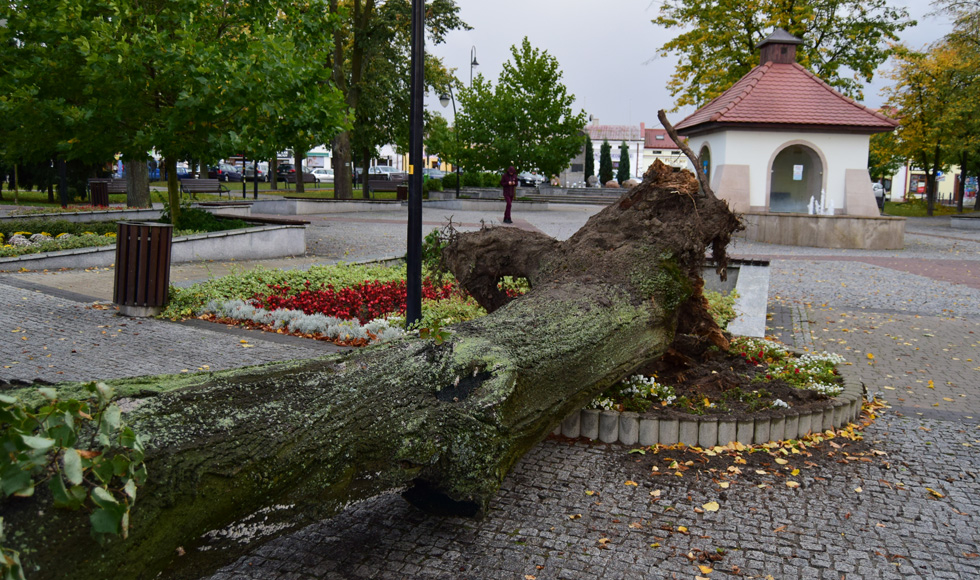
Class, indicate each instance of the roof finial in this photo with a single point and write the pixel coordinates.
(779, 48)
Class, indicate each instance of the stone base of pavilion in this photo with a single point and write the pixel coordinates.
(825, 231)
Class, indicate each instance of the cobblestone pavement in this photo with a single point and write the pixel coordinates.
(911, 512)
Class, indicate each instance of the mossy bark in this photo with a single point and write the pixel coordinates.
(241, 456)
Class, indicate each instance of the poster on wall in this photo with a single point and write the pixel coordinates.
(797, 173)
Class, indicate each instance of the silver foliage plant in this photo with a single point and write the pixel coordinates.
(298, 321)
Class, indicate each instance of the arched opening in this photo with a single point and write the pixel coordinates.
(705, 157)
(797, 175)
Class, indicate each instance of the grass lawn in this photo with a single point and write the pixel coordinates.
(917, 208)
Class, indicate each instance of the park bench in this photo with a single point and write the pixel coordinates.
(213, 186)
(384, 184)
(307, 178)
(99, 196)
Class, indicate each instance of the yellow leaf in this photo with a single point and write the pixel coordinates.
(934, 493)
(858, 489)
(781, 461)
(723, 484)
(589, 492)
(630, 482)
(705, 569)
(795, 472)
(243, 341)
(711, 506)
(655, 493)
(655, 545)
(682, 529)
(792, 484)
(575, 517)
(871, 356)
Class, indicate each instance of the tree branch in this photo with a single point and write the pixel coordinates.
(698, 170)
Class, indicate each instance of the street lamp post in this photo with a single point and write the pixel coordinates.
(444, 101)
(473, 63)
(413, 278)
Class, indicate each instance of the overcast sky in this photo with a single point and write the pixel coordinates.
(607, 50)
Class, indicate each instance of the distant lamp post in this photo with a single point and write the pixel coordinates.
(413, 256)
(473, 63)
(444, 101)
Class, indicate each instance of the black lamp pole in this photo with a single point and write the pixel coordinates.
(255, 179)
(244, 185)
(413, 307)
(443, 100)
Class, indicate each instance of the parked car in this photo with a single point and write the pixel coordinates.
(390, 173)
(250, 169)
(530, 179)
(434, 173)
(323, 175)
(283, 170)
(224, 172)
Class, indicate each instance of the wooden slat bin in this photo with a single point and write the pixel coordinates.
(142, 277)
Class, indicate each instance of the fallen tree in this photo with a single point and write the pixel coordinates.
(240, 456)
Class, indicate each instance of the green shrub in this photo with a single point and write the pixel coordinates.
(490, 179)
(199, 220)
(721, 307)
(472, 179)
(435, 185)
(449, 181)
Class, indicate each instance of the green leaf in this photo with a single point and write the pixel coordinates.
(39, 443)
(130, 489)
(111, 420)
(73, 466)
(7, 399)
(48, 393)
(640, 451)
(65, 498)
(103, 498)
(105, 521)
(105, 392)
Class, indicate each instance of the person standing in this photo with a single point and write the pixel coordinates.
(509, 183)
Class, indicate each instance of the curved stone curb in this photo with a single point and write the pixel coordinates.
(695, 431)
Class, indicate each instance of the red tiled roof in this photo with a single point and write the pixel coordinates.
(664, 141)
(615, 133)
(784, 94)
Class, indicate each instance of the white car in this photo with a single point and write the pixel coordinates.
(323, 175)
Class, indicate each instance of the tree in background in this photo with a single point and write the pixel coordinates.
(526, 120)
(884, 156)
(931, 92)
(605, 163)
(589, 158)
(369, 63)
(623, 172)
(188, 78)
(844, 41)
(440, 139)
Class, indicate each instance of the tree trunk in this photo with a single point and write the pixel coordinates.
(173, 187)
(961, 185)
(365, 166)
(298, 164)
(274, 173)
(343, 183)
(250, 454)
(137, 183)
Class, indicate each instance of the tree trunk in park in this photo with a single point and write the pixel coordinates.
(242, 456)
(365, 166)
(137, 184)
(298, 165)
(173, 187)
(343, 183)
(274, 174)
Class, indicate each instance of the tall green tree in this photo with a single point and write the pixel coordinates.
(884, 156)
(526, 120)
(589, 158)
(844, 41)
(930, 93)
(623, 171)
(441, 139)
(190, 78)
(369, 63)
(605, 163)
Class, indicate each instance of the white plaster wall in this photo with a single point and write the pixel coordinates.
(838, 152)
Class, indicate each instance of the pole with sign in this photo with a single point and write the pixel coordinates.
(413, 307)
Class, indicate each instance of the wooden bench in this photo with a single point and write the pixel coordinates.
(203, 186)
(375, 185)
(307, 178)
(99, 196)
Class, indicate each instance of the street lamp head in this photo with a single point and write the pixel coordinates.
(474, 63)
(444, 100)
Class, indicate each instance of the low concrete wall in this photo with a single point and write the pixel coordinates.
(318, 206)
(825, 231)
(136, 215)
(249, 243)
(485, 205)
(965, 221)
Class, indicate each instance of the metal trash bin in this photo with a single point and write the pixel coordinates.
(401, 193)
(100, 193)
(142, 272)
